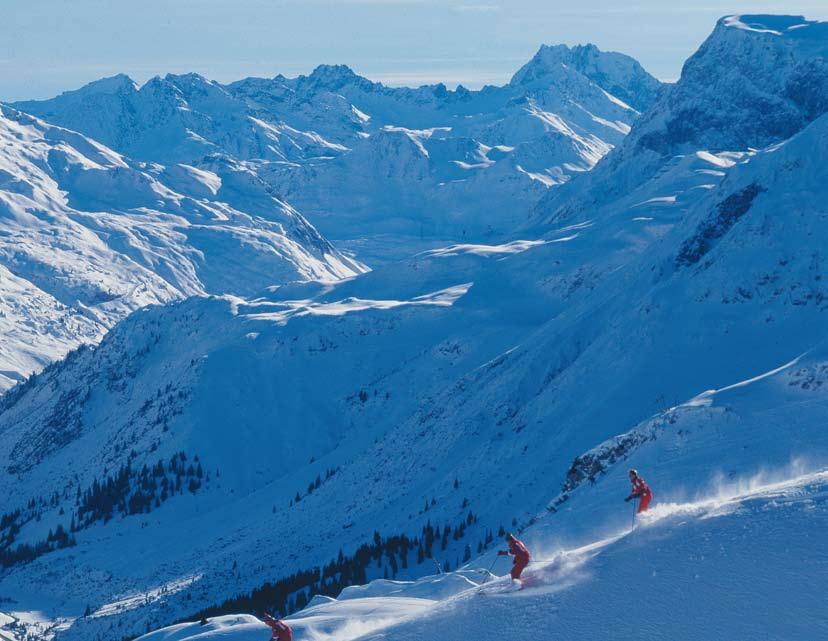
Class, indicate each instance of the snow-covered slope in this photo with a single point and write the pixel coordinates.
(741, 486)
(466, 165)
(735, 533)
(769, 80)
(364, 160)
(615, 73)
(87, 236)
(203, 208)
(690, 558)
(472, 386)
(755, 81)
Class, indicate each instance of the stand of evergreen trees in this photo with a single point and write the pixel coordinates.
(315, 485)
(393, 553)
(25, 552)
(132, 491)
(126, 492)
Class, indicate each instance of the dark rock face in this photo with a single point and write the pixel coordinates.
(741, 89)
(727, 214)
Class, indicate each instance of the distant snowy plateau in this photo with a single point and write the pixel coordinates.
(315, 344)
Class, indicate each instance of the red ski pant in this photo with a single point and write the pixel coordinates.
(517, 567)
(644, 502)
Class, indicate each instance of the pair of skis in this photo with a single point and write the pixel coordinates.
(498, 586)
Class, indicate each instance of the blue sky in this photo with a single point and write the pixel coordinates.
(47, 46)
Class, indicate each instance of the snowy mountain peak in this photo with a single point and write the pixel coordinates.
(804, 37)
(616, 73)
(771, 24)
(87, 236)
(118, 83)
(197, 90)
(755, 81)
(189, 80)
(334, 76)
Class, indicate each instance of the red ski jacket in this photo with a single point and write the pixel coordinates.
(281, 630)
(518, 550)
(639, 488)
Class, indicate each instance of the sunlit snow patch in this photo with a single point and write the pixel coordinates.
(774, 25)
(705, 399)
(238, 627)
(515, 247)
(143, 598)
(544, 179)
(362, 116)
(658, 200)
(293, 309)
(417, 135)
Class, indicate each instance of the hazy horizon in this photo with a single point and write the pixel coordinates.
(50, 46)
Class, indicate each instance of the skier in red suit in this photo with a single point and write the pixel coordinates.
(640, 490)
(281, 630)
(521, 553)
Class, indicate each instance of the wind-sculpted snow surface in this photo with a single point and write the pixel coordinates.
(236, 628)
(466, 390)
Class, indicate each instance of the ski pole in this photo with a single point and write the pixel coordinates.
(491, 567)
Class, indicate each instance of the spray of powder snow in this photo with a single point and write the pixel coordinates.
(559, 568)
(719, 496)
(723, 494)
(350, 629)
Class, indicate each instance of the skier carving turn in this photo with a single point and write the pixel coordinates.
(640, 490)
(520, 552)
(281, 630)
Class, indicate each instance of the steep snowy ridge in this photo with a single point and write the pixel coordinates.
(471, 387)
(337, 146)
(195, 200)
(709, 543)
(768, 85)
(732, 485)
(88, 236)
(743, 89)
(615, 73)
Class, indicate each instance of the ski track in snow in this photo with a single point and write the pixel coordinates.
(388, 614)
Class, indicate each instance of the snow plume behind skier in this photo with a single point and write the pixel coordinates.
(520, 554)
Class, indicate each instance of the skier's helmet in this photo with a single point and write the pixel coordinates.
(510, 537)
(633, 472)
